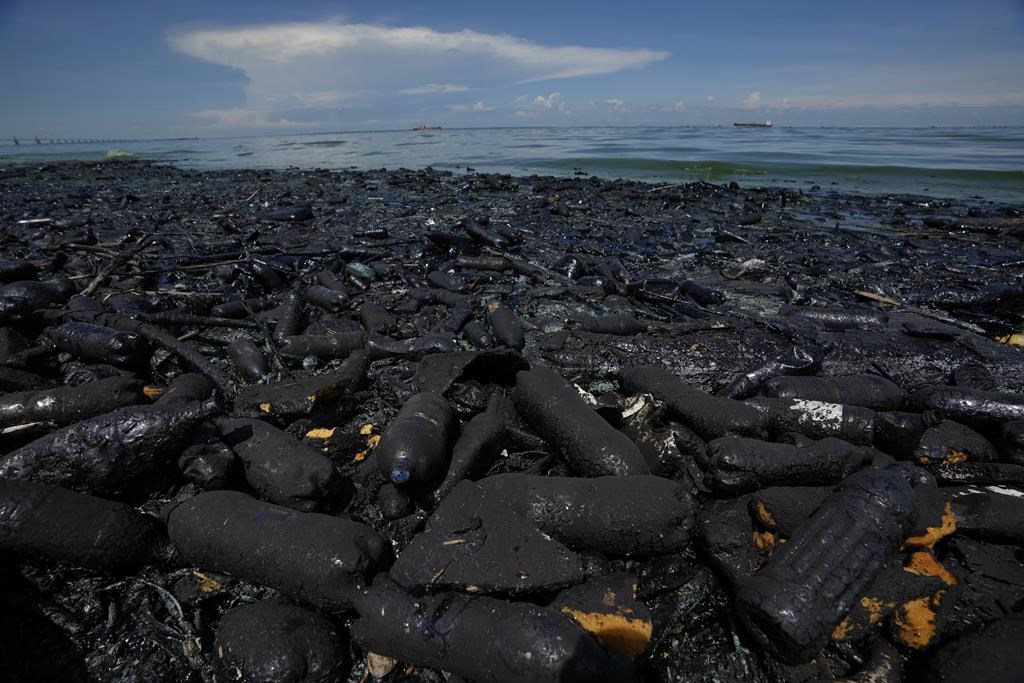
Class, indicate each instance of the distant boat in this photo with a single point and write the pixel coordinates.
(766, 124)
(423, 128)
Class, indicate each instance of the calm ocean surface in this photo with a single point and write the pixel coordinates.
(942, 162)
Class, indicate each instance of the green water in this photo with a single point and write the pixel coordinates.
(940, 162)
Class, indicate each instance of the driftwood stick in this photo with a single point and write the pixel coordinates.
(182, 318)
(117, 262)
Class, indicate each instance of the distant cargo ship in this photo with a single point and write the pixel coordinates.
(766, 124)
(427, 128)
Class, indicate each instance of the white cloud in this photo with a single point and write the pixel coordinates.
(552, 101)
(240, 117)
(433, 88)
(679, 105)
(541, 104)
(476, 106)
(753, 100)
(903, 99)
(287, 65)
(711, 98)
(322, 98)
(614, 104)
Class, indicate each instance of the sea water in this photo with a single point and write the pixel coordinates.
(940, 162)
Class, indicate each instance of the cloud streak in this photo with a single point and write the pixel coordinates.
(434, 89)
(292, 66)
(243, 118)
(477, 106)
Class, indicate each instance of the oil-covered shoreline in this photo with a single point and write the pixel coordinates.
(510, 428)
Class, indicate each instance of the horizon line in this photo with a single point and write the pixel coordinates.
(29, 140)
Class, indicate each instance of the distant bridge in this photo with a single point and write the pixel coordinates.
(65, 141)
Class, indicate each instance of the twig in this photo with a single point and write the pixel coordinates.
(526, 268)
(949, 320)
(116, 262)
(180, 318)
(175, 292)
(877, 297)
(272, 350)
(194, 266)
(668, 187)
(188, 353)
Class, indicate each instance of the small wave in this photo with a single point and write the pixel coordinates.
(120, 154)
(894, 171)
(646, 167)
(638, 166)
(35, 157)
(172, 152)
(325, 143)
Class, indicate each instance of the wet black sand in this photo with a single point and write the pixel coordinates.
(911, 289)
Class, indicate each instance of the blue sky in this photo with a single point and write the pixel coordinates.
(189, 68)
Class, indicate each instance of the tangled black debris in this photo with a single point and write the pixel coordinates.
(313, 425)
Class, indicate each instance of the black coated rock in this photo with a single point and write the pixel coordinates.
(51, 523)
(309, 556)
(292, 214)
(868, 391)
(952, 442)
(272, 642)
(737, 465)
(301, 396)
(112, 454)
(1011, 442)
(458, 634)
(330, 300)
(607, 607)
(793, 604)
(782, 509)
(727, 536)
(506, 327)
(393, 502)
(475, 542)
(710, 416)
(438, 372)
(591, 446)
(100, 344)
(188, 386)
(972, 407)
(796, 360)
(816, 419)
(993, 654)
(248, 359)
(279, 467)
(990, 513)
(64, 405)
(478, 446)
(21, 299)
(621, 516)
(326, 346)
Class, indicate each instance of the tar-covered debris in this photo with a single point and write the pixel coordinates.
(312, 425)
